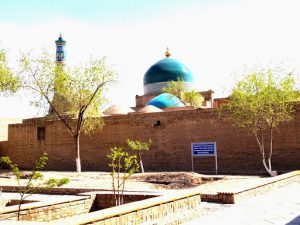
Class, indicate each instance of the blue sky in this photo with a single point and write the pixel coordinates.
(214, 38)
(95, 11)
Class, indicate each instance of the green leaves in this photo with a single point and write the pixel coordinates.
(122, 161)
(138, 145)
(5, 160)
(52, 182)
(193, 99)
(8, 82)
(189, 98)
(123, 165)
(176, 88)
(30, 185)
(263, 98)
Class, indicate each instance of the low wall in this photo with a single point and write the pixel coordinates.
(242, 194)
(41, 211)
(163, 210)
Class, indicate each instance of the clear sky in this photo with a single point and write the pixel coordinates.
(214, 38)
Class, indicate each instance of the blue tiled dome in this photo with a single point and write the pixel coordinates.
(167, 69)
(166, 101)
(159, 75)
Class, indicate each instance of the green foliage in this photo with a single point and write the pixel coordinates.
(189, 98)
(176, 88)
(52, 182)
(139, 147)
(262, 100)
(8, 82)
(34, 183)
(193, 98)
(37, 74)
(123, 165)
(71, 92)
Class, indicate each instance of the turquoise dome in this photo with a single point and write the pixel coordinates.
(166, 101)
(167, 69)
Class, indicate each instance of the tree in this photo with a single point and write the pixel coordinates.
(79, 88)
(262, 100)
(8, 82)
(139, 147)
(123, 165)
(193, 99)
(176, 88)
(31, 185)
(188, 98)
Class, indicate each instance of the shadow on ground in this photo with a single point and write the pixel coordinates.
(295, 221)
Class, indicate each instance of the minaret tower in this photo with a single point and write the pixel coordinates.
(64, 104)
(60, 50)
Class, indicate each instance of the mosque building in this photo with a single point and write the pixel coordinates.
(171, 125)
(158, 77)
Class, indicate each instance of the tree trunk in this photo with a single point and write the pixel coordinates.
(78, 161)
(141, 162)
(260, 143)
(19, 207)
(271, 148)
(272, 173)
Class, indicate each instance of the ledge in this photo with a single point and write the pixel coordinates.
(253, 190)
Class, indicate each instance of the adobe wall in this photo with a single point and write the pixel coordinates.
(171, 143)
(4, 127)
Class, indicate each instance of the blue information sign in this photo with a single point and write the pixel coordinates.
(204, 149)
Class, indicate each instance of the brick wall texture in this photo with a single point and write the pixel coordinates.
(51, 212)
(171, 143)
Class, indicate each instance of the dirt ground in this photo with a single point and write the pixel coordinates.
(157, 182)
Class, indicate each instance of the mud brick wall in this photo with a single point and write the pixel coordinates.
(171, 143)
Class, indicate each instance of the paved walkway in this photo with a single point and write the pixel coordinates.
(278, 207)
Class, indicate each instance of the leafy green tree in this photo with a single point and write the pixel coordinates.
(193, 98)
(74, 95)
(139, 147)
(8, 82)
(123, 165)
(33, 183)
(261, 101)
(176, 88)
(189, 98)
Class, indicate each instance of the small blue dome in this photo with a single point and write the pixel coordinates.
(167, 69)
(166, 101)
(60, 39)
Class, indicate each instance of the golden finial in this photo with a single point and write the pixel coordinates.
(167, 53)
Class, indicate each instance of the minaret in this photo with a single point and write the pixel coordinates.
(64, 106)
(60, 50)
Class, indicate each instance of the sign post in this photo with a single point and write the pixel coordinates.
(201, 149)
